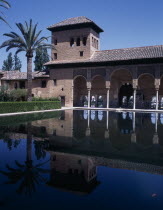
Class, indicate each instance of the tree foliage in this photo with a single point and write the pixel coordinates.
(11, 63)
(17, 63)
(8, 63)
(41, 58)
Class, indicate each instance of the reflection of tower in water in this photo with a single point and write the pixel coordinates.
(74, 173)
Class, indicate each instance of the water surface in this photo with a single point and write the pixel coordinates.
(82, 160)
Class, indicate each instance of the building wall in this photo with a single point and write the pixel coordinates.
(37, 90)
(64, 82)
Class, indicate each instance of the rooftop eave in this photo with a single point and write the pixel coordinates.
(109, 63)
(75, 26)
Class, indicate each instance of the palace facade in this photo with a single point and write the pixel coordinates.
(80, 74)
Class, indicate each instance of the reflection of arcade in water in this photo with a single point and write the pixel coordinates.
(125, 136)
(129, 136)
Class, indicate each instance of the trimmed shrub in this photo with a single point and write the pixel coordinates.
(11, 107)
(4, 95)
(18, 95)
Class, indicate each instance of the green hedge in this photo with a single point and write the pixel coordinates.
(10, 107)
(44, 99)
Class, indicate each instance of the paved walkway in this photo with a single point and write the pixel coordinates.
(85, 108)
(118, 109)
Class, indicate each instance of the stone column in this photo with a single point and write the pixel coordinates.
(89, 97)
(157, 85)
(89, 93)
(134, 99)
(135, 85)
(157, 102)
(0, 82)
(108, 94)
(107, 84)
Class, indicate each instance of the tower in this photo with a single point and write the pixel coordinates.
(75, 39)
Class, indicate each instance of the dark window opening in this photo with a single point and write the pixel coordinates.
(54, 132)
(72, 42)
(81, 53)
(43, 129)
(78, 42)
(92, 41)
(15, 85)
(55, 56)
(22, 84)
(97, 44)
(53, 158)
(55, 82)
(55, 41)
(43, 84)
(85, 41)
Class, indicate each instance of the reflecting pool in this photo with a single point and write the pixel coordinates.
(81, 160)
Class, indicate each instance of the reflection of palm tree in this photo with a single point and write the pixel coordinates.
(27, 174)
(11, 143)
(40, 149)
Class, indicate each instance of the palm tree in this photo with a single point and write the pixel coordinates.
(6, 5)
(28, 42)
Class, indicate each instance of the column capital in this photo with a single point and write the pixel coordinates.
(107, 84)
(89, 85)
(157, 84)
(135, 84)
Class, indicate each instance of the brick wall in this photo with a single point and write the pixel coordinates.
(65, 51)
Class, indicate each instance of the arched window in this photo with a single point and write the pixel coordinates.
(100, 101)
(55, 41)
(43, 83)
(92, 41)
(72, 42)
(97, 44)
(78, 42)
(93, 101)
(84, 41)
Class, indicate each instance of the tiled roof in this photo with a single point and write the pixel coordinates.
(74, 21)
(129, 54)
(124, 54)
(17, 75)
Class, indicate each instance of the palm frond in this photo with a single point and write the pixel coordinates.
(7, 4)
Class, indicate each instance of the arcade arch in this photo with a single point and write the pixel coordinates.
(80, 91)
(121, 87)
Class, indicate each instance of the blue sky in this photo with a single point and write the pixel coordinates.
(126, 23)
